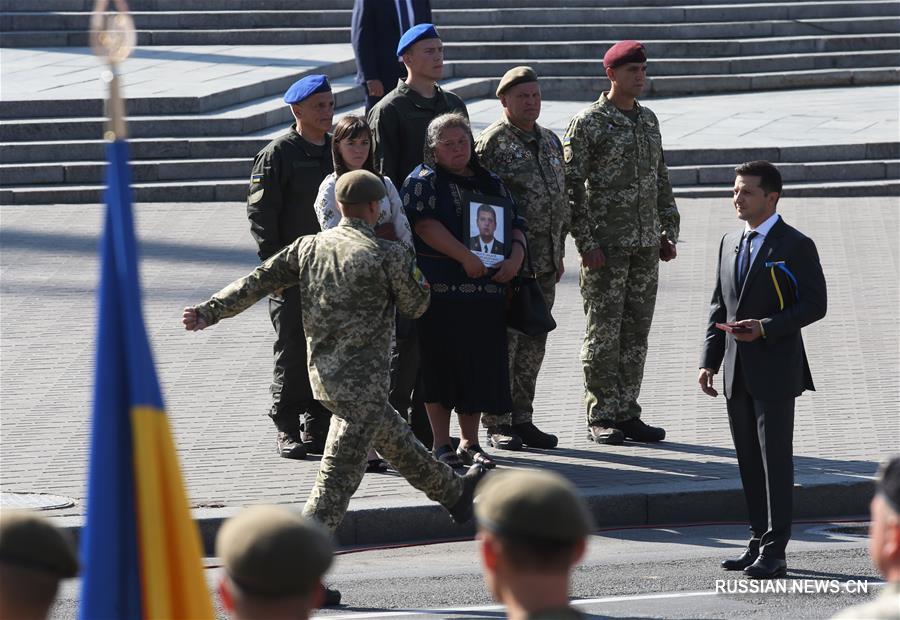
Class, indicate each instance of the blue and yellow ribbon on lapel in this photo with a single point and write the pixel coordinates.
(779, 264)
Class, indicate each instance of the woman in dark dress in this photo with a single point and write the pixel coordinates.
(462, 336)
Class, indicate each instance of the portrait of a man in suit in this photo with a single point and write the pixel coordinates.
(486, 241)
(769, 285)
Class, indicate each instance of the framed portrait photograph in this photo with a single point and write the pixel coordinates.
(487, 227)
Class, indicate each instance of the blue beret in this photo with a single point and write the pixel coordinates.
(416, 34)
(306, 87)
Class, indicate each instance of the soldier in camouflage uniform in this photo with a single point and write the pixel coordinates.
(624, 220)
(350, 283)
(528, 158)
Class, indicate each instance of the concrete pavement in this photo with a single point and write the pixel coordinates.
(216, 382)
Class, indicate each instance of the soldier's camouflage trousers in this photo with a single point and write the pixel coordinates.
(526, 354)
(356, 427)
(618, 303)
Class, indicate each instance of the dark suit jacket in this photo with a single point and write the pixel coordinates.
(375, 32)
(475, 244)
(774, 367)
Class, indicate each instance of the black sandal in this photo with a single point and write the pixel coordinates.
(376, 466)
(446, 455)
(474, 454)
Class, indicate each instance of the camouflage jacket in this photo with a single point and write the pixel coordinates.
(617, 180)
(531, 166)
(349, 282)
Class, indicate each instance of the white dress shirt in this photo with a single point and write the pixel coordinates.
(761, 231)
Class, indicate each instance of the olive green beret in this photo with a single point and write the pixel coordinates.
(534, 505)
(269, 551)
(30, 541)
(357, 187)
(516, 75)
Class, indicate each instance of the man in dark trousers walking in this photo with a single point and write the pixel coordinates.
(769, 285)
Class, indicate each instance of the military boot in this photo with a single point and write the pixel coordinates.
(605, 433)
(289, 446)
(503, 437)
(461, 511)
(533, 437)
(330, 597)
(636, 430)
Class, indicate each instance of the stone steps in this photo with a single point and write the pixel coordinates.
(235, 191)
(455, 34)
(316, 18)
(216, 172)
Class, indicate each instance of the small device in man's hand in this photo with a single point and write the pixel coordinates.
(733, 328)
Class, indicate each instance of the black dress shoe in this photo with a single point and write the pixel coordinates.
(747, 558)
(766, 568)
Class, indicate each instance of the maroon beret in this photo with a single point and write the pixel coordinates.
(624, 52)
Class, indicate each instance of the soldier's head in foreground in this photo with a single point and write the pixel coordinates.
(884, 531)
(422, 51)
(520, 95)
(533, 530)
(757, 188)
(312, 104)
(358, 193)
(273, 562)
(625, 64)
(34, 557)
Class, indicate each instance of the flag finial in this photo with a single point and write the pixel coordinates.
(113, 38)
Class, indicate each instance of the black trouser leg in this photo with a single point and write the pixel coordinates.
(763, 439)
(406, 383)
(291, 393)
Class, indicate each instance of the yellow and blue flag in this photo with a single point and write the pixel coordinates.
(141, 553)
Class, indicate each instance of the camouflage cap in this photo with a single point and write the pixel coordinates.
(30, 541)
(269, 551)
(532, 505)
(624, 52)
(358, 186)
(516, 75)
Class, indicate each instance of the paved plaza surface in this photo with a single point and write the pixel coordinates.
(215, 383)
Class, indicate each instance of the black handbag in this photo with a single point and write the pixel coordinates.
(526, 308)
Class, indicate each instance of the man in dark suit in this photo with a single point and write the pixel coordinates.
(375, 30)
(769, 285)
(485, 241)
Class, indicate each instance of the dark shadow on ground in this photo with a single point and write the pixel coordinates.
(72, 243)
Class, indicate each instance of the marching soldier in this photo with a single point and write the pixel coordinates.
(353, 281)
(528, 158)
(624, 221)
(283, 186)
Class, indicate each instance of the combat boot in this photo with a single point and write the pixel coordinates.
(313, 445)
(289, 446)
(503, 437)
(636, 430)
(461, 511)
(601, 433)
(330, 597)
(533, 437)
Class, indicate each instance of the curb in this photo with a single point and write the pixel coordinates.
(375, 522)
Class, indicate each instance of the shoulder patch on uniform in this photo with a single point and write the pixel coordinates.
(256, 195)
(567, 149)
(256, 178)
(419, 278)
(567, 140)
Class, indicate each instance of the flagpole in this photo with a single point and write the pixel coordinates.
(113, 38)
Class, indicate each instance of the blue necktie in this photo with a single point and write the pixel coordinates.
(744, 268)
(404, 16)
